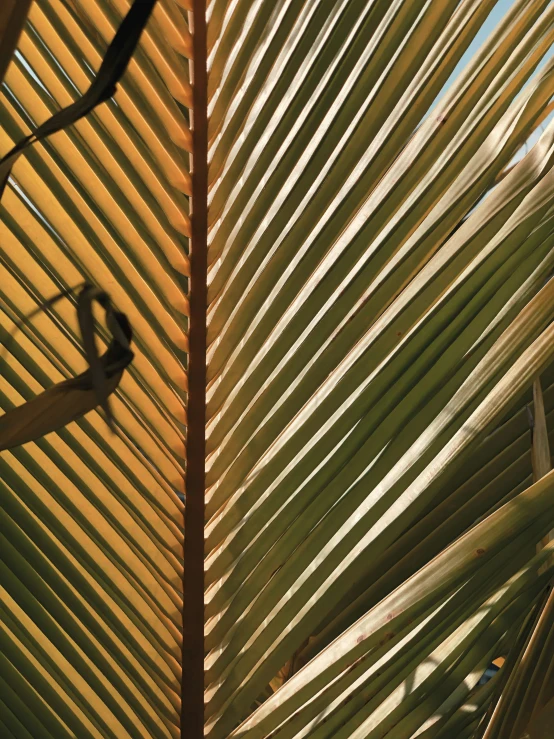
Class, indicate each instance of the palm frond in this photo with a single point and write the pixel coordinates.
(360, 332)
(92, 527)
(373, 292)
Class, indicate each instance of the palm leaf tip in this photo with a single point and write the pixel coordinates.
(73, 398)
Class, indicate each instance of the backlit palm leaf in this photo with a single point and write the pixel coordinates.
(370, 273)
(92, 521)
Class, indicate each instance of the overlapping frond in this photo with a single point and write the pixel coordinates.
(92, 522)
(377, 304)
(13, 14)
